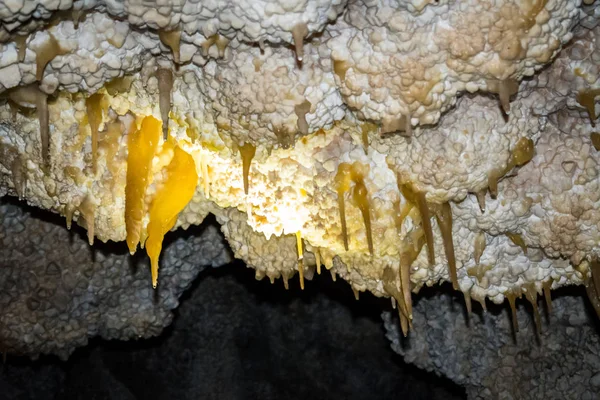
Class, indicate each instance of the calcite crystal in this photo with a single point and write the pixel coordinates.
(397, 143)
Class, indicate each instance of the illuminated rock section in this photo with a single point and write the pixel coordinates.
(398, 144)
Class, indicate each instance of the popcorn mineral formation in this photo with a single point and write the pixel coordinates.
(396, 144)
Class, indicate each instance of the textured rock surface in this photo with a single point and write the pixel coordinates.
(404, 60)
(56, 291)
(482, 355)
(402, 95)
(368, 68)
(234, 337)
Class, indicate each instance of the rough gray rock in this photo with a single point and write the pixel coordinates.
(482, 354)
(56, 291)
(237, 338)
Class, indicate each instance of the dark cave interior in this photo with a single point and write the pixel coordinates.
(237, 338)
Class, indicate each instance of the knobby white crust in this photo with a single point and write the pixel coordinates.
(366, 66)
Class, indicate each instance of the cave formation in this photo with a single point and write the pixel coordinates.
(395, 145)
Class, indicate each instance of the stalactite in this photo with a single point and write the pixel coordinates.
(87, 209)
(506, 89)
(404, 274)
(175, 193)
(77, 16)
(171, 39)
(393, 287)
(481, 199)
(96, 107)
(511, 296)
(318, 260)
(547, 286)
(531, 295)
(406, 210)
(259, 275)
(521, 154)
(479, 271)
(587, 99)
(417, 198)
(482, 303)
(467, 296)
(412, 246)
(21, 44)
(479, 246)
(360, 198)
(141, 146)
(300, 258)
(46, 53)
(69, 211)
(165, 86)
(340, 68)
(218, 40)
(403, 323)
(444, 219)
(299, 32)
(342, 183)
(426, 222)
(517, 240)
(247, 151)
(493, 178)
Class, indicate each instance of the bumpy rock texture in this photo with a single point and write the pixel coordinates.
(234, 337)
(398, 143)
(482, 355)
(57, 291)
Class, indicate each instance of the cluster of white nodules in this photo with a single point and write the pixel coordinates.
(392, 63)
(304, 87)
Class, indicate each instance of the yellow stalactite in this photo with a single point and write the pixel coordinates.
(141, 146)
(300, 258)
(175, 193)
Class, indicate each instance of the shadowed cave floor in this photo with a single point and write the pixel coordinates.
(237, 338)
